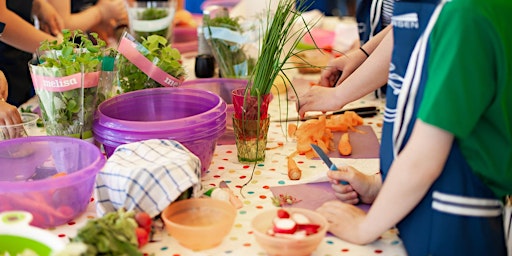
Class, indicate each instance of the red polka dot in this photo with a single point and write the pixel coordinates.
(61, 235)
(300, 162)
(221, 167)
(71, 223)
(229, 151)
(250, 232)
(246, 166)
(263, 196)
(259, 207)
(225, 159)
(345, 250)
(266, 187)
(272, 169)
(216, 176)
(243, 177)
(211, 184)
(247, 244)
(238, 186)
(378, 251)
(92, 199)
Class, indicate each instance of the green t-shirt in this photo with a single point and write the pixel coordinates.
(469, 86)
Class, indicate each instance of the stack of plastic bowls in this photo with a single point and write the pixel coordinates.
(222, 87)
(195, 118)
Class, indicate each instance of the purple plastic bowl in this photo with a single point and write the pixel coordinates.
(27, 180)
(220, 86)
(131, 136)
(202, 147)
(160, 109)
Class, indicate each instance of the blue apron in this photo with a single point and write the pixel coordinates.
(459, 215)
(368, 19)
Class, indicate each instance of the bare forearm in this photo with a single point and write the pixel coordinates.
(371, 75)
(83, 20)
(372, 44)
(408, 180)
(27, 41)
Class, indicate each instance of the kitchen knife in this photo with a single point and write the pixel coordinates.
(361, 111)
(326, 160)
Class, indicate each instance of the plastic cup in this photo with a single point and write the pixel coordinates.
(151, 18)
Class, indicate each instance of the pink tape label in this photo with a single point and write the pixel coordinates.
(66, 83)
(129, 51)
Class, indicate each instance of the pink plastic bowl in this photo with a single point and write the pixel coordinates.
(52, 177)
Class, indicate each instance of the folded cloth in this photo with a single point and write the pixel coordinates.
(146, 176)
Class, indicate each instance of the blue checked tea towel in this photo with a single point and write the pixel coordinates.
(146, 176)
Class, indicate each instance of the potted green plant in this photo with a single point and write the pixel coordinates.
(148, 64)
(282, 31)
(230, 43)
(65, 79)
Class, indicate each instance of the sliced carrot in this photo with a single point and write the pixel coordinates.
(294, 173)
(59, 174)
(344, 122)
(322, 145)
(310, 154)
(344, 146)
(292, 128)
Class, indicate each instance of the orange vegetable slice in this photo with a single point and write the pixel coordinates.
(344, 146)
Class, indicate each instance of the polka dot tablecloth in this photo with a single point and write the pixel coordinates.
(252, 184)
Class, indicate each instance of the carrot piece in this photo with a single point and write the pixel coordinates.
(292, 128)
(294, 173)
(322, 145)
(344, 146)
(59, 174)
(310, 154)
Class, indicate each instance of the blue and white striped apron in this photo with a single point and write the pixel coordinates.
(459, 215)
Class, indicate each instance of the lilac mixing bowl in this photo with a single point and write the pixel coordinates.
(52, 177)
(195, 118)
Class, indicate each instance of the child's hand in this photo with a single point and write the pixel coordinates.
(362, 188)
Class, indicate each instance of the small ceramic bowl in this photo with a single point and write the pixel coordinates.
(17, 236)
(199, 223)
(287, 246)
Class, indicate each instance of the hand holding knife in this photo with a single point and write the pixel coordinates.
(326, 160)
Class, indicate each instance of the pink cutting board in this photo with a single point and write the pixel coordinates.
(364, 144)
(311, 195)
